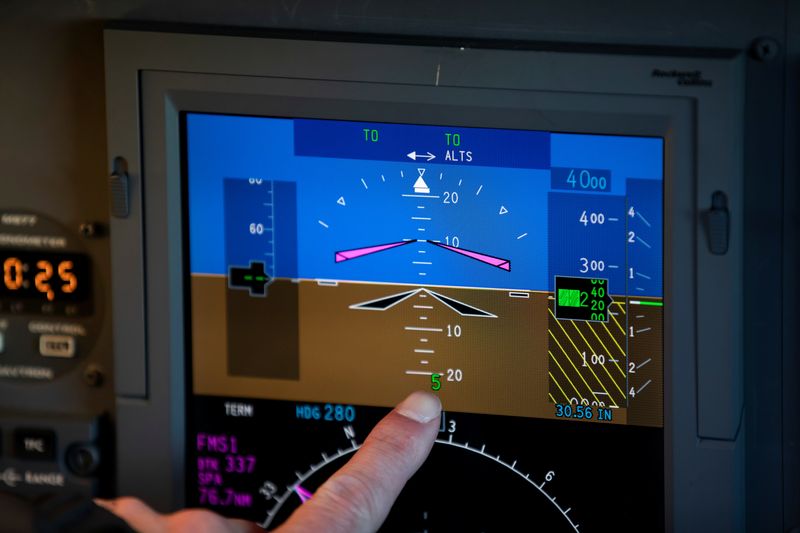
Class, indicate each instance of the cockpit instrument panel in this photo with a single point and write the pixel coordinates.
(311, 230)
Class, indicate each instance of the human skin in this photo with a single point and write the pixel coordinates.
(356, 499)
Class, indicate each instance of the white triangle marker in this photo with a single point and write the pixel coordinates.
(340, 201)
(420, 187)
(503, 210)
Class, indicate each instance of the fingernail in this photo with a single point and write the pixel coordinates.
(421, 407)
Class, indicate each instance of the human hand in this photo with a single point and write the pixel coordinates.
(357, 498)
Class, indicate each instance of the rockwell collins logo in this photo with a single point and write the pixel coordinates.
(683, 77)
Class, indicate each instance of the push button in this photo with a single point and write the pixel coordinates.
(57, 346)
(37, 444)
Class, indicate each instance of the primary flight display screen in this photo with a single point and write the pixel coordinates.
(336, 266)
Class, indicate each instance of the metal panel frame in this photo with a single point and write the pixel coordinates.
(151, 77)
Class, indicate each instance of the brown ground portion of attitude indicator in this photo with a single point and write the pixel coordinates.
(376, 357)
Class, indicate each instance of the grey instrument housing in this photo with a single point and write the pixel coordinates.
(696, 103)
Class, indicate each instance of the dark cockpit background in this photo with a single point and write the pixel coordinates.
(53, 161)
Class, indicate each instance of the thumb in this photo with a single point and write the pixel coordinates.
(358, 497)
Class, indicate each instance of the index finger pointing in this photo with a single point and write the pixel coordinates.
(360, 495)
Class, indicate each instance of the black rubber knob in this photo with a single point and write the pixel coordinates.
(83, 459)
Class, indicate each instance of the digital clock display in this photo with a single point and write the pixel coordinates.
(44, 276)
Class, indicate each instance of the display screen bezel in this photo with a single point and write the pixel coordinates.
(152, 76)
